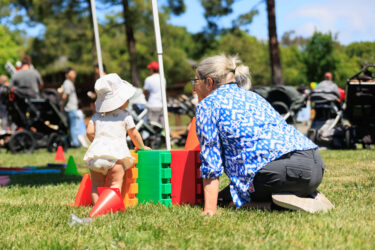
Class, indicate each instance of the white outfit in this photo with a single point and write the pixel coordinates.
(138, 98)
(152, 85)
(109, 143)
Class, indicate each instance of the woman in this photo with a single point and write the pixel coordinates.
(240, 133)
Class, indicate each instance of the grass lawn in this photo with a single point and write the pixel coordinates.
(34, 214)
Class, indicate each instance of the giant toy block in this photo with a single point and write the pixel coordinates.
(185, 180)
(130, 185)
(129, 188)
(154, 177)
(198, 179)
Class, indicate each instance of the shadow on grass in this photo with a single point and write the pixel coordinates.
(43, 179)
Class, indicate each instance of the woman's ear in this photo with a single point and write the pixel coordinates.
(210, 83)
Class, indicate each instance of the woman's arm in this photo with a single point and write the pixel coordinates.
(211, 191)
(211, 155)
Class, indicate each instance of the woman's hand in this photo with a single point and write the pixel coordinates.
(208, 212)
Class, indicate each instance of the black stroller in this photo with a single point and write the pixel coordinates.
(328, 128)
(182, 105)
(151, 132)
(284, 99)
(38, 122)
(360, 105)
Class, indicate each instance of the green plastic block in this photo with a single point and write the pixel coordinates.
(154, 174)
(166, 173)
(166, 202)
(166, 188)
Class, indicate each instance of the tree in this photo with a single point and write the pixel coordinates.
(129, 19)
(277, 76)
(217, 8)
(293, 68)
(318, 56)
(10, 48)
(361, 52)
(251, 51)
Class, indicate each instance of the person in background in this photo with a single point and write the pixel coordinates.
(70, 100)
(3, 107)
(152, 91)
(304, 114)
(28, 78)
(328, 86)
(97, 71)
(90, 93)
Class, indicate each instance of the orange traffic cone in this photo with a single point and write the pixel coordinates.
(83, 197)
(192, 142)
(109, 200)
(60, 154)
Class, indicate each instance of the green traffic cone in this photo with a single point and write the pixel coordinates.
(71, 168)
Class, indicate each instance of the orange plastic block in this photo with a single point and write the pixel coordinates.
(83, 197)
(130, 185)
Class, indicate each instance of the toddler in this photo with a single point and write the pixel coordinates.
(108, 155)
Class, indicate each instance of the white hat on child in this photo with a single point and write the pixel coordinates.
(112, 92)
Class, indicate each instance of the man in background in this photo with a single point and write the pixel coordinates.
(70, 100)
(3, 107)
(28, 78)
(152, 90)
(328, 87)
(90, 93)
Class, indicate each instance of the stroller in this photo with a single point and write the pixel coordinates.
(182, 105)
(151, 132)
(286, 100)
(360, 106)
(39, 123)
(328, 128)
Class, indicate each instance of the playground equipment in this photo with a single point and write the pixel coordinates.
(158, 176)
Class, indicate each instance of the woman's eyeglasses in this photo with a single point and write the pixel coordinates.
(194, 81)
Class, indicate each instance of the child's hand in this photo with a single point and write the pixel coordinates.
(144, 148)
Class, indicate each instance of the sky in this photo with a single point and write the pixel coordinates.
(351, 20)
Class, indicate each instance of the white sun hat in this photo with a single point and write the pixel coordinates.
(112, 92)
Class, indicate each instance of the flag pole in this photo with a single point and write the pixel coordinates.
(159, 50)
(97, 40)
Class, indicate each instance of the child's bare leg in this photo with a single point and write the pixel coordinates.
(97, 180)
(116, 176)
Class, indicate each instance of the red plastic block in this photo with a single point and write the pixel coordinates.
(183, 177)
(198, 180)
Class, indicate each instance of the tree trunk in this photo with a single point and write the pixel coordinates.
(94, 54)
(277, 76)
(131, 43)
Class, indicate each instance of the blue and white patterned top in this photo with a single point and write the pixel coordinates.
(239, 132)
